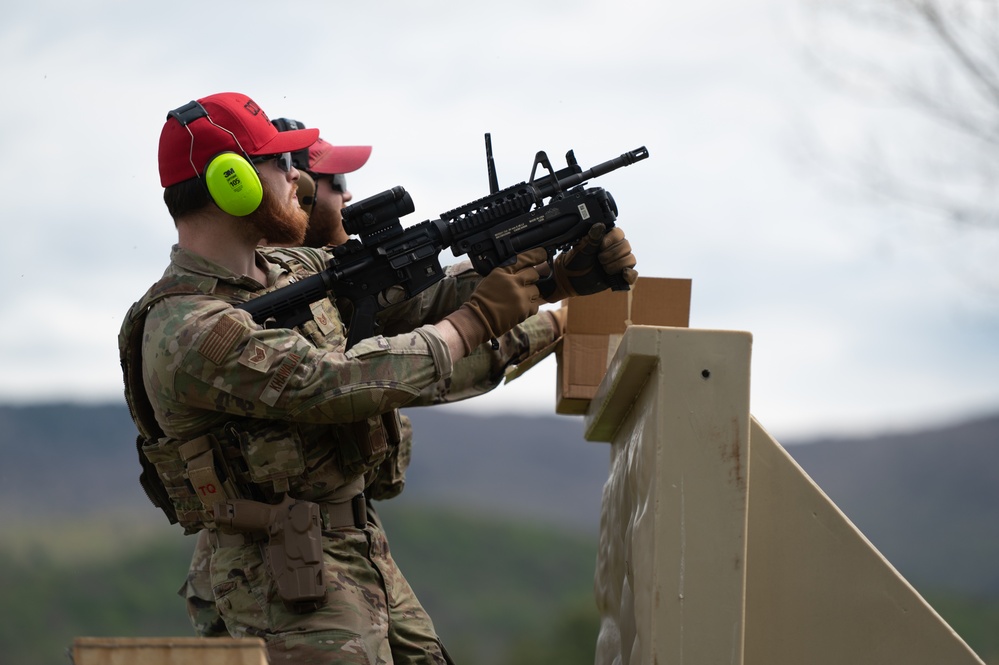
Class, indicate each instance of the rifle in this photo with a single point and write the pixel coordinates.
(492, 231)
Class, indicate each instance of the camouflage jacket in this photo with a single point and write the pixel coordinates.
(292, 408)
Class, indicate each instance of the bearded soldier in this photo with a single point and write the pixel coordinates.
(266, 439)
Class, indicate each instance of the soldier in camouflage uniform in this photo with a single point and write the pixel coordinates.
(266, 438)
(322, 192)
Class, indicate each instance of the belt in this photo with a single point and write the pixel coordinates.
(345, 514)
(333, 516)
(219, 539)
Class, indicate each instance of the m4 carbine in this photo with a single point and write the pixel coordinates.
(491, 231)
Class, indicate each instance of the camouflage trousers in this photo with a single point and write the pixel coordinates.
(371, 617)
(197, 592)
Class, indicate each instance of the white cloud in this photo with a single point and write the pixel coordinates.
(856, 318)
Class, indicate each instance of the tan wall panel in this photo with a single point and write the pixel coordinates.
(670, 580)
(818, 591)
(715, 547)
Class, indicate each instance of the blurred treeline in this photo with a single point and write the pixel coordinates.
(500, 592)
(506, 569)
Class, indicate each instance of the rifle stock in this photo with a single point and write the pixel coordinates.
(491, 231)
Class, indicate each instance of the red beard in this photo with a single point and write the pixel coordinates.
(281, 223)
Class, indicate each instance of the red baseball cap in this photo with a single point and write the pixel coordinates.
(328, 159)
(232, 122)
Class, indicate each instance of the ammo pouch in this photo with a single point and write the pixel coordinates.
(368, 442)
(211, 482)
(151, 483)
(271, 456)
(388, 479)
(193, 476)
(170, 470)
(294, 549)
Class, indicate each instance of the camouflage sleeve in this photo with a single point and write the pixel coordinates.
(430, 305)
(200, 353)
(486, 367)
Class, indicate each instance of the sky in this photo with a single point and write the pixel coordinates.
(864, 316)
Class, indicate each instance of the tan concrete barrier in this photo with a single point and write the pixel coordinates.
(715, 547)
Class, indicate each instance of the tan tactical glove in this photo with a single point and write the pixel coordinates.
(503, 298)
(585, 268)
(558, 320)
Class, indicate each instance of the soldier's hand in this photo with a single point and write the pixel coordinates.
(504, 298)
(585, 269)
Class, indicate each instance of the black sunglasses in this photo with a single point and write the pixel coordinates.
(338, 182)
(283, 160)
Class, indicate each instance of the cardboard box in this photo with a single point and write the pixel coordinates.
(595, 325)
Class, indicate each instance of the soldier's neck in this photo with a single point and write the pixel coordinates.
(228, 241)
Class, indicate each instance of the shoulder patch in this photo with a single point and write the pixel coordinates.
(220, 340)
(326, 317)
(258, 356)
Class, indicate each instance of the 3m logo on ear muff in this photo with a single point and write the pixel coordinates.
(233, 184)
(230, 178)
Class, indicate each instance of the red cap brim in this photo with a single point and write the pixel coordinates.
(329, 159)
(290, 141)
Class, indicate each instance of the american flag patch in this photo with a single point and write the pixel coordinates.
(219, 341)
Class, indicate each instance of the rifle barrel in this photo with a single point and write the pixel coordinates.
(628, 158)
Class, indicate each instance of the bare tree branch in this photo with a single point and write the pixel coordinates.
(930, 61)
(976, 71)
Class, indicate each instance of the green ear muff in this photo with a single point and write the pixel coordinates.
(233, 184)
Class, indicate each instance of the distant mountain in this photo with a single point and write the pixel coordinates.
(61, 460)
(69, 460)
(928, 500)
(540, 468)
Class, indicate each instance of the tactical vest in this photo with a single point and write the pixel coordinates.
(246, 458)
